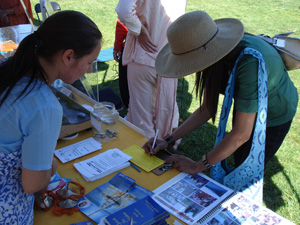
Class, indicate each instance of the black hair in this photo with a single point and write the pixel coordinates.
(61, 31)
(214, 79)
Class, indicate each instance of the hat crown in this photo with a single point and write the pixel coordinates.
(200, 27)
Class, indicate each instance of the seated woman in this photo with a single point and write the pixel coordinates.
(64, 47)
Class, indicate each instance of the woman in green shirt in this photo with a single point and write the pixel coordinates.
(211, 48)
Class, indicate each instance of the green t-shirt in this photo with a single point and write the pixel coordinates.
(282, 94)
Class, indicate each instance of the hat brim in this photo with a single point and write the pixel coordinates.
(230, 33)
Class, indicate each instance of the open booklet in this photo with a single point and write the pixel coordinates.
(198, 199)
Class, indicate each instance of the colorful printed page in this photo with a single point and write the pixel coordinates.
(191, 197)
(142, 160)
(241, 210)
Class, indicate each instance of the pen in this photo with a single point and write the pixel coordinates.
(135, 167)
(154, 139)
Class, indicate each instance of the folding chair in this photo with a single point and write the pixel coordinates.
(45, 10)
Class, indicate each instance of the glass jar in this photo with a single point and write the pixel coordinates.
(104, 119)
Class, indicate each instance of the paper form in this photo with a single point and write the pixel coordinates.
(141, 159)
(77, 150)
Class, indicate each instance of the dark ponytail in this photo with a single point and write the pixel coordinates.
(61, 31)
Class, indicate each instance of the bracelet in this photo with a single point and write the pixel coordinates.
(205, 162)
(169, 139)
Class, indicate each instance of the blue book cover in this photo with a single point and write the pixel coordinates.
(144, 212)
(111, 197)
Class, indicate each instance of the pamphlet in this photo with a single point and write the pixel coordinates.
(103, 164)
(110, 197)
(77, 150)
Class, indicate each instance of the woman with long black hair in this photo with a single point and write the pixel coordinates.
(241, 67)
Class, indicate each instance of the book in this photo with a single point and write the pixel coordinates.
(145, 211)
(190, 197)
(103, 164)
(111, 197)
(198, 199)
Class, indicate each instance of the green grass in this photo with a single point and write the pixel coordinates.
(281, 182)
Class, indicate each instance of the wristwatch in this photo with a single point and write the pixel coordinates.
(205, 162)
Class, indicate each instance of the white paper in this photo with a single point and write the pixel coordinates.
(103, 164)
(77, 150)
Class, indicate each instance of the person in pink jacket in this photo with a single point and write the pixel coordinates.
(152, 103)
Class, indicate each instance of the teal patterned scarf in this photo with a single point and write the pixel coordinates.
(248, 177)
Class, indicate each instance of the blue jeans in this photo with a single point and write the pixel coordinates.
(274, 138)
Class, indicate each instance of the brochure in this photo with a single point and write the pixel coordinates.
(77, 150)
(110, 197)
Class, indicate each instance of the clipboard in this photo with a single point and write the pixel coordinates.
(162, 154)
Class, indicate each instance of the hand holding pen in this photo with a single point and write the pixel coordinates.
(153, 145)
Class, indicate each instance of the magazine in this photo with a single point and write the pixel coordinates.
(190, 197)
(110, 197)
(241, 210)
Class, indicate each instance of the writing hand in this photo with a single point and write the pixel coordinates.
(159, 145)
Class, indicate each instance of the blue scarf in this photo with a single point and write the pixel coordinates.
(248, 177)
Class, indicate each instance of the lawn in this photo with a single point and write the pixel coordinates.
(281, 183)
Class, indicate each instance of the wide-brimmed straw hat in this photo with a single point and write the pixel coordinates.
(195, 42)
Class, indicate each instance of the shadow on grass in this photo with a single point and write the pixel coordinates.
(272, 194)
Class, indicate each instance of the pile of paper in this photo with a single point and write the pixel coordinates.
(103, 164)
